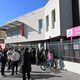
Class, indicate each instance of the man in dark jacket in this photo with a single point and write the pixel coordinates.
(26, 64)
(3, 61)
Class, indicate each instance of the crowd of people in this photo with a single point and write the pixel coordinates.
(13, 57)
(24, 56)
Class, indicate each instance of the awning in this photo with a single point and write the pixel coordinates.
(10, 25)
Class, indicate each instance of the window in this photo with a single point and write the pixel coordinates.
(13, 32)
(47, 22)
(40, 25)
(53, 18)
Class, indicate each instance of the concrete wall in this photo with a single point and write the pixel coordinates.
(51, 5)
(16, 40)
(73, 67)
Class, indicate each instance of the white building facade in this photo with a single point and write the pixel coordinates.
(50, 27)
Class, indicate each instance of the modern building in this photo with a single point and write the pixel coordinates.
(46, 27)
(48, 22)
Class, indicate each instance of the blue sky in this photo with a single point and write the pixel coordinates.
(10, 9)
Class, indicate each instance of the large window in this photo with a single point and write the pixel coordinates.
(53, 18)
(40, 25)
(47, 22)
(13, 32)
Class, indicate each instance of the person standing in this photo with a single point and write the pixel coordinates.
(3, 61)
(26, 64)
(9, 55)
(50, 57)
(15, 60)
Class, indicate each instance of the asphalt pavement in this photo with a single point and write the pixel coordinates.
(38, 74)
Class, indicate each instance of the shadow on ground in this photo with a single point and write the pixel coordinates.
(35, 75)
(43, 76)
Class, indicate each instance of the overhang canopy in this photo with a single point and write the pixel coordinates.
(11, 25)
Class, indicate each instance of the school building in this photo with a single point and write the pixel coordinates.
(49, 27)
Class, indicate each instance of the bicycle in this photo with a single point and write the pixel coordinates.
(45, 65)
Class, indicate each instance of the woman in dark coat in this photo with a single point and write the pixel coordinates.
(26, 64)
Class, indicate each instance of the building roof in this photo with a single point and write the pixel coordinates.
(10, 25)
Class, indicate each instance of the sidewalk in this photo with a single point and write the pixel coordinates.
(38, 74)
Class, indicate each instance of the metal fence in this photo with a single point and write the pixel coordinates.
(68, 51)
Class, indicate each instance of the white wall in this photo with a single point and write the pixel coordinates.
(73, 67)
(16, 40)
(51, 5)
(63, 13)
(32, 25)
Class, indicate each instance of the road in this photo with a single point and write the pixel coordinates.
(38, 74)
